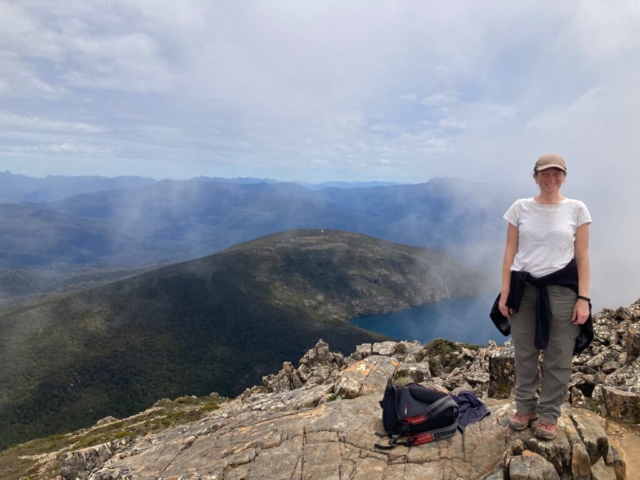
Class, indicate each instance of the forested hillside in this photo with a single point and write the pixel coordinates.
(213, 324)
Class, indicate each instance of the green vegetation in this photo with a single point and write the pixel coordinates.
(401, 380)
(28, 286)
(503, 389)
(28, 460)
(444, 355)
(218, 323)
(399, 349)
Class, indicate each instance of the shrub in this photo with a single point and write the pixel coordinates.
(400, 348)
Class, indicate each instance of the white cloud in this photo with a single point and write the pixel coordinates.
(451, 122)
(33, 122)
(19, 79)
(63, 148)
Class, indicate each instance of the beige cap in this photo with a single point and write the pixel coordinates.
(550, 160)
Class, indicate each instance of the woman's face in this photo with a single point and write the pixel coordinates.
(550, 180)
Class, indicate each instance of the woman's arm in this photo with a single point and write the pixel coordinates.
(510, 251)
(581, 310)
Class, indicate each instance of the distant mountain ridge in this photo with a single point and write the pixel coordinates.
(16, 188)
(213, 324)
(209, 216)
(35, 236)
(23, 189)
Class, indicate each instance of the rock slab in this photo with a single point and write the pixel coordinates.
(311, 432)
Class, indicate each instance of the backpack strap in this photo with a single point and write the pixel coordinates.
(436, 407)
(432, 435)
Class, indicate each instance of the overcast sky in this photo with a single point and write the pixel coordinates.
(324, 90)
(315, 90)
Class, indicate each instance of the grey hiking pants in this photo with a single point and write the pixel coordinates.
(557, 356)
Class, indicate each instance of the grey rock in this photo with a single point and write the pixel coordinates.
(576, 398)
(600, 359)
(531, 466)
(366, 377)
(580, 463)
(619, 464)
(288, 379)
(592, 431)
(610, 367)
(632, 345)
(498, 475)
(362, 351)
(276, 432)
(501, 373)
(600, 471)
(621, 405)
(79, 464)
(318, 366)
(383, 348)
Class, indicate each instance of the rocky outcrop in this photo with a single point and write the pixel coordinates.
(311, 433)
(608, 372)
(319, 420)
(318, 366)
(79, 464)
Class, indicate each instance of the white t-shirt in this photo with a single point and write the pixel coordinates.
(546, 234)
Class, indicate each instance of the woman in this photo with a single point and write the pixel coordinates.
(545, 293)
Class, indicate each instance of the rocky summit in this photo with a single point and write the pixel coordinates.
(319, 420)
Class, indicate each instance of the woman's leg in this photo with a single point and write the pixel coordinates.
(523, 327)
(558, 355)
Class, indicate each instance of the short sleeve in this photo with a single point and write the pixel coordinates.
(583, 214)
(513, 214)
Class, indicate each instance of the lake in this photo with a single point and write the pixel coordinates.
(458, 319)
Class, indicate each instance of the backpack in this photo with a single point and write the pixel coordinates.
(424, 414)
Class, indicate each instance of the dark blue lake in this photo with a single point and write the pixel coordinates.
(458, 319)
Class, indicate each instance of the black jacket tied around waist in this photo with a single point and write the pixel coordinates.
(565, 277)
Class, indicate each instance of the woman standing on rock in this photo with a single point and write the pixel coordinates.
(545, 294)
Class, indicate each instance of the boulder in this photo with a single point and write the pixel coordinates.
(362, 352)
(621, 405)
(383, 348)
(78, 465)
(632, 344)
(600, 471)
(502, 373)
(287, 379)
(366, 377)
(318, 366)
(531, 466)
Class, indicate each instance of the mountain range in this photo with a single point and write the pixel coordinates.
(30, 190)
(23, 189)
(178, 220)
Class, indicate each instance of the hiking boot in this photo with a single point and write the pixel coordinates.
(520, 421)
(545, 430)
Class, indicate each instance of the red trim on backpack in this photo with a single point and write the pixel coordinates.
(420, 439)
(418, 419)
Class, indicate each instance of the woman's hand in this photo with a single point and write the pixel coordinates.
(580, 312)
(506, 311)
